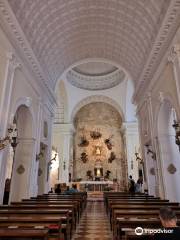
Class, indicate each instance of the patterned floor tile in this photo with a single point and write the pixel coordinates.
(94, 223)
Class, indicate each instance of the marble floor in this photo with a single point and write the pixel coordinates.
(94, 223)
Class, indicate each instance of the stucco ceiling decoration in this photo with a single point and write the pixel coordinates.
(58, 33)
(95, 68)
(95, 76)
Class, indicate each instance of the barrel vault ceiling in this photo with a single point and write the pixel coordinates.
(59, 33)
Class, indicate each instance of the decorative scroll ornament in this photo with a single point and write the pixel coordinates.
(152, 171)
(83, 142)
(20, 169)
(108, 142)
(112, 157)
(84, 157)
(171, 168)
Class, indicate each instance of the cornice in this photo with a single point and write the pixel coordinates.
(167, 31)
(18, 40)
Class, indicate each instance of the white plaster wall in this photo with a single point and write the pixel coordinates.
(26, 90)
(119, 94)
(131, 136)
(164, 87)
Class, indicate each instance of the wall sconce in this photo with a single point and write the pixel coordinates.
(176, 126)
(4, 142)
(10, 138)
(149, 151)
(53, 159)
(38, 156)
(140, 160)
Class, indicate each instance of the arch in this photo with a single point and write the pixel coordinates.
(169, 154)
(97, 98)
(23, 153)
(24, 101)
(165, 97)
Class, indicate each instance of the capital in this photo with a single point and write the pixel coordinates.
(174, 53)
(13, 60)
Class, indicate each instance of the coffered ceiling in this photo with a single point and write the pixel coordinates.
(62, 32)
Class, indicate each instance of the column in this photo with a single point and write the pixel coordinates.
(63, 134)
(21, 174)
(154, 147)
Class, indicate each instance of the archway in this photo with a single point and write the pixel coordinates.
(98, 145)
(23, 156)
(169, 152)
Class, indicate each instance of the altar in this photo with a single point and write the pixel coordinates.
(95, 186)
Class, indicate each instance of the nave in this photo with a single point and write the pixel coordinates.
(89, 97)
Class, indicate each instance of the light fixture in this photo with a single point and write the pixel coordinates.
(140, 160)
(176, 126)
(11, 138)
(149, 151)
(98, 172)
(53, 159)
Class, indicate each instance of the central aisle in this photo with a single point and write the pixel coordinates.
(94, 223)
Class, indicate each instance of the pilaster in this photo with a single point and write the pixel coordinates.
(11, 65)
(131, 136)
(63, 136)
(174, 58)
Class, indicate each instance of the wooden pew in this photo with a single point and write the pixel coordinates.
(23, 233)
(124, 223)
(135, 214)
(128, 211)
(44, 211)
(44, 207)
(61, 221)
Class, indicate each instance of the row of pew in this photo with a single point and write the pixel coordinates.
(126, 212)
(47, 217)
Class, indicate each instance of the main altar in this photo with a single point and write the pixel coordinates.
(95, 186)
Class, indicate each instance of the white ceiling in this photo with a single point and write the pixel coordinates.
(55, 35)
(62, 32)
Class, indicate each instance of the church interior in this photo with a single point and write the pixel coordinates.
(89, 119)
